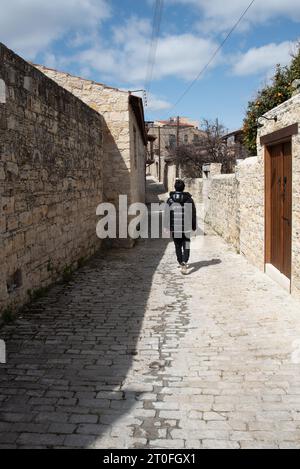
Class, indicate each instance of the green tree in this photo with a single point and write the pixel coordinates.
(279, 90)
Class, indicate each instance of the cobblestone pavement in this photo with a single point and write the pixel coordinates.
(131, 354)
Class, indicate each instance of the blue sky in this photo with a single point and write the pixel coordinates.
(108, 41)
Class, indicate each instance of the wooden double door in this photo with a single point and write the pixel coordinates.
(279, 206)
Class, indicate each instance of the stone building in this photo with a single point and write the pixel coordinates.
(235, 145)
(260, 203)
(66, 145)
(124, 136)
(168, 134)
(278, 198)
(51, 180)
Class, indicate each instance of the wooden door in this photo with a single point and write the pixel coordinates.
(281, 207)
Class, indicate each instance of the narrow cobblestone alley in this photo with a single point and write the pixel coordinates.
(131, 354)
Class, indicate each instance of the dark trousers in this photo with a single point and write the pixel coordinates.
(182, 247)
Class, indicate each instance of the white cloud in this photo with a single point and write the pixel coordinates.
(50, 60)
(132, 29)
(31, 26)
(262, 59)
(155, 103)
(184, 55)
(217, 15)
(125, 60)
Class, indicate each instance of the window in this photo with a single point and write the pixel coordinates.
(186, 139)
(172, 141)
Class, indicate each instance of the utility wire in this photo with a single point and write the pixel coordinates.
(157, 16)
(214, 55)
(154, 40)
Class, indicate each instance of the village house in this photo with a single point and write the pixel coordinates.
(66, 145)
(124, 136)
(235, 145)
(167, 135)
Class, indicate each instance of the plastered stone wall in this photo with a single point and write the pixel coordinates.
(287, 114)
(120, 174)
(51, 180)
(221, 208)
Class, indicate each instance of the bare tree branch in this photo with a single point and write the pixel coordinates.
(210, 148)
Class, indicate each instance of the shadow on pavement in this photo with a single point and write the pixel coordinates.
(200, 265)
(70, 352)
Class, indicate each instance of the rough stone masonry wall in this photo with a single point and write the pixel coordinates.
(234, 208)
(249, 200)
(250, 177)
(221, 208)
(50, 180)
(288, 113)
(113, 105)
(195, 187)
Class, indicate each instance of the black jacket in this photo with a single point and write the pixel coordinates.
(180, 214)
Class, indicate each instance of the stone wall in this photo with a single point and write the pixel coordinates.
(222, 209)
(153, 169)
(250, 177)
(120, 174)
(287, 114)
(169, 176)
(51, 180)
(234, 208)
(243, 198)
(195, 187)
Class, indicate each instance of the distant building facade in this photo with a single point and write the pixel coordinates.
(168, 135)
(235, 144)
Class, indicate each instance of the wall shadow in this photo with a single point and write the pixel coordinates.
(70, 352)
(155, 191)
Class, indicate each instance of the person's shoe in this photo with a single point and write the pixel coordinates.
(184, 269)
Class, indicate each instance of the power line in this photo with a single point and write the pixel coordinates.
(157, 16)
(154, 41)
(214, 54)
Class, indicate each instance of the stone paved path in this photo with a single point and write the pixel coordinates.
(131, 354)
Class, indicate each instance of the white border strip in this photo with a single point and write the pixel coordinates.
(278, 277)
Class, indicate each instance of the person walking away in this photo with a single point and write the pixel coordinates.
(181, 220)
